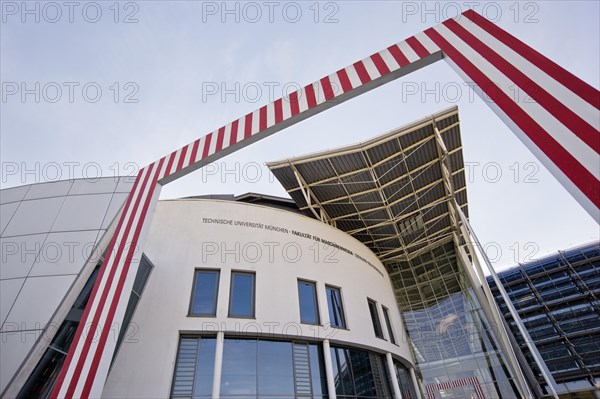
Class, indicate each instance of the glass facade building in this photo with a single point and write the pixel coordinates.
(558, 299)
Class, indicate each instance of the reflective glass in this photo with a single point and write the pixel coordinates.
(204, 297)
(307, 296)
(242, 295)
(335, 306)
(238, 376)
(275, 369)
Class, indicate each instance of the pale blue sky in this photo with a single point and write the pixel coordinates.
(176, 49)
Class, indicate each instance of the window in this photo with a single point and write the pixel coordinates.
(251, 368)
(336, 309)
(204, 293)
(375, 318)
(241, 298)
(386, 314)
(359, 374)
(194, 368)
(307, 295)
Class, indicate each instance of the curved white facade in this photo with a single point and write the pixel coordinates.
(280, 247)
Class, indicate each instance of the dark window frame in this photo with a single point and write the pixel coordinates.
(375, 319)
(194, 286)
(315, 302)
(388, 323)
(253, 294)
(344, 321)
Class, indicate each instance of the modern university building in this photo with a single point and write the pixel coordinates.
(366, 284)
(557, 298)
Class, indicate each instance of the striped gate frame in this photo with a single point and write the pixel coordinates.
(561, 127)
(463, 382)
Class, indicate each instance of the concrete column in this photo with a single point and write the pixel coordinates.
(392, 370)
(328, 370)
(216, 389)
(413, 376)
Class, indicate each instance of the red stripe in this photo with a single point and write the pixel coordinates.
(327, 89)
(220, 136)
(398, 55)
(182, 157)
(103, 297)
(310, 96)
(278, 110)
(84, 318)
(294, 104)
(417, 47)
(362, 72)
(566, 78)
(380, 64)
(262, 118)
(118, 292)
(170, 163)
(248, 126)
(344, 80)
(194, 152)
(570, 119)
(234, 131)
(206, 145)
(579, 175)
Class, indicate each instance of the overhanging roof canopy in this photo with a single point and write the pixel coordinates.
(392, 192)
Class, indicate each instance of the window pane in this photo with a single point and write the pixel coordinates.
(275, 369)
(205, 368)
(375, 319)
(242, 295)
(336, 310)
(386, 314)
(307, 294)
(317, 370)
(239, 367)
(204, 297)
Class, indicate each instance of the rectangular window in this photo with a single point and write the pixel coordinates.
(386, 314)
(241, 298)
(309, 309)
(336, 309)
(204, 293)
(375, 318)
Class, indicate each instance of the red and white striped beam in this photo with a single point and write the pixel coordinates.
(560, 126)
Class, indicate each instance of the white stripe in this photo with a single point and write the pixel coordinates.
(286, 108)
(353, 76)
(241, 128)
(95, 301)
(163, 167)
(255, 122)
(200, 148)
(302, 100)
(175, 162)
(427, 42)
(585, 110)
(371, 68)
(270, 114)
(389, 60)
(319, 93)
(213, 142)
(336, 85)
(571, 143)
(226, 136)
(188, 155)
(408, 52)
(112, 292)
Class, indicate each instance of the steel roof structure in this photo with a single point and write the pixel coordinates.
(394, 192)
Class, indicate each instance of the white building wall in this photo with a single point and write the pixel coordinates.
(181, 240)
(47, 233)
